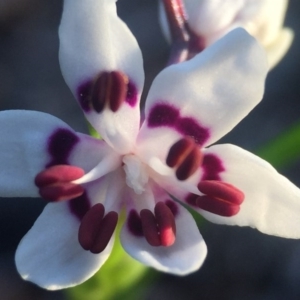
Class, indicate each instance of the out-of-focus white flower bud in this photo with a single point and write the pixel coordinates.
(212, 19)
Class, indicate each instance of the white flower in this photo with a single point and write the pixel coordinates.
(189, 107)
(212, 19)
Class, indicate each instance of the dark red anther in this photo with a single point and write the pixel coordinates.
(100, 91)
(61, 191)
(95, 231)
(166, 224)
(159, 228)
(150, 228)
(119, 86)
(105, 232)
(217, 206)
(55, 183)
(179, 151)
(185, 156)
(89, 226)
(190, 165)
(58, 173)
(110, 88)
(221, 190)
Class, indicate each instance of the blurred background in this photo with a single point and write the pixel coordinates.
(241, 263)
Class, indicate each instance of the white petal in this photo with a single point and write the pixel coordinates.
(32, 141)
(108, 190)
(262, 19)
(204, 97)
(92, 40)
(24, 151)
(89, 152)
(272, 202)
(185, 256)
(208, 17)
(212, 19)
(277, 50)
(50, 255)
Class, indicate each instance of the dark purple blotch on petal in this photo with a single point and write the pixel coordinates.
(163, 115)
(173, 206)
(190, 127)
(212, 167)
(79, 206)
(84, 94)
(167, 115)
(132, 95)
(60, 145)
(134, 223)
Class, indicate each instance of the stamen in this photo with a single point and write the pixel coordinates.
(105, 166)
(119, 89)
(106, 230)
(149, 226)
(110, 88)
(54, 183)
(217, 206)
(186, 156)
(95, 231)
(100, 92)
(166, 224)
(159, 229)
(190, 165)
(58, 173)
(220, 198)
(89, 226)
(61, 191)
(179, 151)
(222, 190)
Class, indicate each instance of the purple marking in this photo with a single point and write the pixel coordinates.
(211, 166)
(173, 207)
(191, 199)
(163, 115)
(196, 44)
(60, 144)
(134, 223)
(79, 206)
(167, 115)
(84, 94)
(189, 127)
(132, 95)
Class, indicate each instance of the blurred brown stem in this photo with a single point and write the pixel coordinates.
(185, 43)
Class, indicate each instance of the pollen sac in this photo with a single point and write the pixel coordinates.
(96, 229)
(159, 228)
(55, 183)
(61, 191)
(109, 90)
(186, 157)
(219, 198)
(58, 173)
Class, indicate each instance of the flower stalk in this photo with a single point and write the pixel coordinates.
(185, 43)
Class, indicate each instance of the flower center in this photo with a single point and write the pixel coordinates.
(136, 173)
